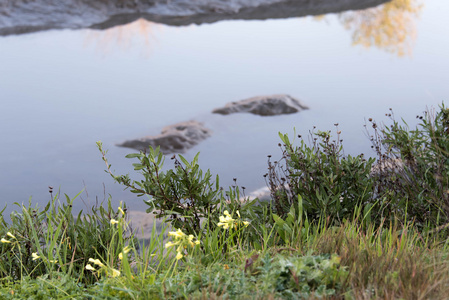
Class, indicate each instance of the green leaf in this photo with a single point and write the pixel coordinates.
(134, 155)
(185, 162)
(300, 208)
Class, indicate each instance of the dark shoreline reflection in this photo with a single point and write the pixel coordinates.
(24, 17)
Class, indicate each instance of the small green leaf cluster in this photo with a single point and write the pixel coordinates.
(321, 275)
(58, 286)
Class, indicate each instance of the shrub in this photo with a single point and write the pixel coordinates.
(412, 173)
(185, 195)
(408, 182)
(330, 184)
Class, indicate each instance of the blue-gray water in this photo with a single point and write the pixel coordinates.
(61, 91)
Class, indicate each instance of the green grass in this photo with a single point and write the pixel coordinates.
(349, 261)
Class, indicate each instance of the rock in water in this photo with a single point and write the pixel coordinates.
(177, 138)
(264, 105)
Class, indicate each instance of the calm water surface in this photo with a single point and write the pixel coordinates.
(61, 91)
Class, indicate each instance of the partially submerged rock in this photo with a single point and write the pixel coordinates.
(387, 166)
(177, 138)
(264, 105)
(17, 17)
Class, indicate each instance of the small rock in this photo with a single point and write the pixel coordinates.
(387, 166)
(177, 138)
(264, 106)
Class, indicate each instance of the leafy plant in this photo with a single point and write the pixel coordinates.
(330, 184)
(412, 170)
(38, 242)
(185, 195)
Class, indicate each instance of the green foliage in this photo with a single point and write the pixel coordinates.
(412, 173)
(53, 240)
(185, 195)
(293, 227)
(409, 181)
(330, 184)
(58, 286)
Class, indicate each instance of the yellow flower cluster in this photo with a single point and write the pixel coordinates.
(182, 241)
(227, 222)
(109, 271)
(121, 219)
(15, 242)
(5, 241)
(36, 257)
(124, 251)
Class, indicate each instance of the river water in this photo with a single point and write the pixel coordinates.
(63, 90)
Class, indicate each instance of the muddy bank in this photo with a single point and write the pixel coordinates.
(21, 16)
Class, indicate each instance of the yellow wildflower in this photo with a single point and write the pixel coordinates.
(226, 222)
(115, 273)
(125, 251)
(113, 221)
(178, 233)
(10, 235)
(35, 256)
(3, 240)
(90, 268)
(97, 262)
(121, 210)
(169, 244)
(179, 256)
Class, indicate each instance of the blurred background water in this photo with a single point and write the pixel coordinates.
(63, 90)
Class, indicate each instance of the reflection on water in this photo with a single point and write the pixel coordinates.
(390, 26)
(123, 36)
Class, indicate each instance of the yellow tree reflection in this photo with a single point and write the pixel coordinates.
(390, 26)
(124, 36)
